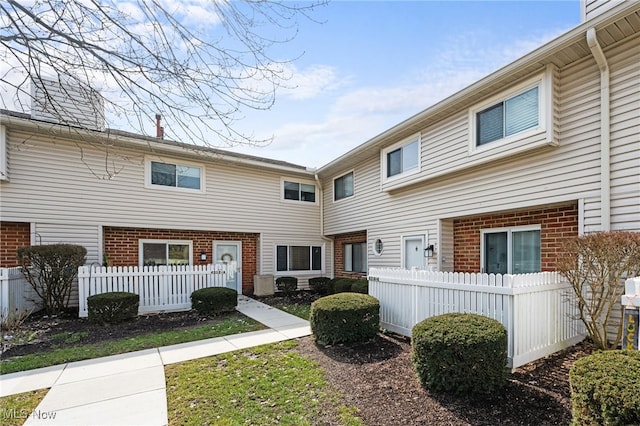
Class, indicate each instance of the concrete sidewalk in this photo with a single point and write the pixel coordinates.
(129, 389)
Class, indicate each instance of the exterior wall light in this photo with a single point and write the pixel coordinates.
(428, 252)
(203, 256)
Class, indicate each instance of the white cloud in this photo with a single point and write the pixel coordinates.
(312, 81)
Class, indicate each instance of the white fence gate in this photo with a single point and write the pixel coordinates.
(537, 310)
(17, 297)
(161, 288)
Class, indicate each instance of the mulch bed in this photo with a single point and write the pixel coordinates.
(376, 377)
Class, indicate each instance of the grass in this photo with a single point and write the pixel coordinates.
(14, 409)
(297, 309)
(232, 324)
(270, 384)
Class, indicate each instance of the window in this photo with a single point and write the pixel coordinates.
(508, 117)
(298, 258)
(175, 175)
(511, 251)
(355, 257)
(403, 158)
(299, 191)
(162, 252)
(343, 187)
(378, 246)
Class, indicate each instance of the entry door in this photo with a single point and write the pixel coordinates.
(414, 252)
(229, 253)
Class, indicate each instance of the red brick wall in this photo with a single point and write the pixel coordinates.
(338, 252)
(122, 248)
(12, 236)
(557, 224)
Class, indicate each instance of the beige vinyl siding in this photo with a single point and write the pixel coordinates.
(625, 137)
(88, 236)
(56, 182)
(547, 175)
(593, 8)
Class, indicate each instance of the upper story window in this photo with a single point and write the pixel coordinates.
(299, 191)
(343, 187)
(402, 158)
(508, 117)
(174, 175)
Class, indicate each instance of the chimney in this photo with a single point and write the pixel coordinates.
(159, 128)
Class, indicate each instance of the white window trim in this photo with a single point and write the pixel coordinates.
(4, 171)
(542, 81)
(352, 196)
(182, 242)
(147, 174)
(509, 231)
(299, 181)
(299, 273)
(404, 142)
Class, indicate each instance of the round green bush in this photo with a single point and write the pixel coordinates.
(345, 317)
(460, 353)
(360, 286)
(605, 388)
(319, 285)
(287, 285)
(214, 300)
(112, 307)
(343, 285)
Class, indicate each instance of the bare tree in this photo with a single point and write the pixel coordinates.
(201, 63)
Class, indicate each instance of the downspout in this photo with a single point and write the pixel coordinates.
(605, 130)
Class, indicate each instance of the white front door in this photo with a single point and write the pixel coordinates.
(229, 253)
(413, 252)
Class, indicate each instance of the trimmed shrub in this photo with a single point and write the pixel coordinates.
(460, 353)
(113, 307)
(342, 285)
(214, 300)
(331, 285)
(605, 388)
(345, 317)
(287, 285)
(360, 286)
(319, 285)
(50, 270)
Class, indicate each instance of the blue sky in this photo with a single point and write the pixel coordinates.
(372, 64)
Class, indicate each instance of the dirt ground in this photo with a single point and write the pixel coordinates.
(376, 377)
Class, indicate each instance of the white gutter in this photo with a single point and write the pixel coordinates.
(605, 130)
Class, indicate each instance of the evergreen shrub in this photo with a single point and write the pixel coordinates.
(214, 300)
(319, 285)
(344, 318)
(605, 388)
(287, 285)
(112, 307)
(460, 353)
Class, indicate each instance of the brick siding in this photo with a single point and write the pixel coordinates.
(557, 224)
(122, 248)
(12, 236)
(338, 255)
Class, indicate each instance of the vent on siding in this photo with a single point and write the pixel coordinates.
(70, 102)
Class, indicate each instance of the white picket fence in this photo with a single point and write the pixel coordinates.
(537, 310)
(161, 288)
(17, 297)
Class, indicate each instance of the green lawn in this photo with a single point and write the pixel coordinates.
(298, 309)
(14, 409)
(266, 385)
(232, 324)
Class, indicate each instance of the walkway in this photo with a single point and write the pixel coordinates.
(129, 389)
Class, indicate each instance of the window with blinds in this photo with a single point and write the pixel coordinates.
(508, 117)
